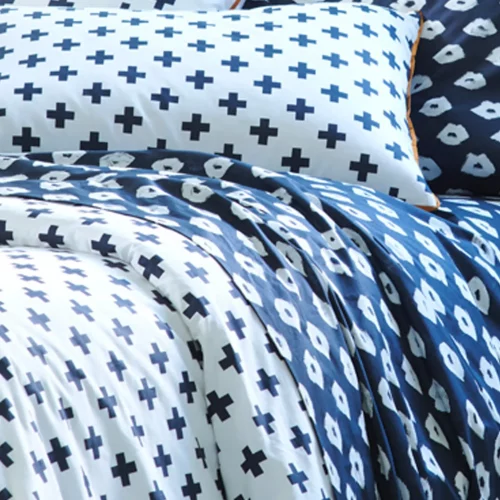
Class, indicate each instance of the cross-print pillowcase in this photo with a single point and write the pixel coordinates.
(319, 90)
(456, 100)
(130, 4)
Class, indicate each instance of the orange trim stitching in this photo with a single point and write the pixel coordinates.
(408, 95)
(408, 106)
(431, 209)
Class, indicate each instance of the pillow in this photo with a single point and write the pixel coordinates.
(131, 4)
(457, 96)
(318, 90)
(456, 100)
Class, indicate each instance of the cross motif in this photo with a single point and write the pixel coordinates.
(147, 394)
(199, 79)
(59, 454)
(100, 57)
(51, 237)
(162, 460)
(93, 144)
(218, 406)
(75, 375)
(187, 387)
(28, 91)
(201, 45)
(123, 469)
(165, 98)
(300, 108)
(228, 152)
(34, 388)
(267, 382)
(301, 440)
(4, 369)
(107, 402)
(167, 32)
(67, 44)
(196, 305)
(331, 135)
(191, 489)
(267, 84)
(298, 478)
(5, 450)
(396, 150)
(103, 246)
(232, 103)
(367, 121)
(366, 87)
(128, 120)
(116, 366)
(5, 235)
(302, 70)
(133, 43)
(132, 75)
(159, 358)
(93, 443)
(177, 423)
(97, 93)
(101, 31)
(231, 360)
(334, 93)
(303, 40)
(26, 140)
(366, 30)
(195, 127)
(263, 131)
(252, 461)
(263, 420)
(60, 115)
(295, 161)
(234, 64)
(269, 51)
(363, 167)
(63, 73)
(167, 59)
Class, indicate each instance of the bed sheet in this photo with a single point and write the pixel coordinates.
(472, 211)
(342, 343)
(112, 390)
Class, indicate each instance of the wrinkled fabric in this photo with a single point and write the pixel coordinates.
(385, 317)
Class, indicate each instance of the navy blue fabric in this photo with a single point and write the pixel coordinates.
(401, 298)
(469, 163)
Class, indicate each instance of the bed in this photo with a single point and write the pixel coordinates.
(186, 322)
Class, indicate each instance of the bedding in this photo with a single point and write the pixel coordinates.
(225, 331)
(129, 4)
(319, 90)
(456, 108)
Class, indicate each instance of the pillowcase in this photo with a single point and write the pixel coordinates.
(318, 90)
(456, 96)
(456, 100)
(131, 4)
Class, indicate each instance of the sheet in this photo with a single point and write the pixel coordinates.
(342, 343)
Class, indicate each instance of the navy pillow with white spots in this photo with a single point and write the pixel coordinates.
(456, 97)
(316, 90)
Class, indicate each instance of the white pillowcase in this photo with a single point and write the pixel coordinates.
(130, 4)
(318, 89)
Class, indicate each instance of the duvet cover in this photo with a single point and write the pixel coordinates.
(181, 325)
